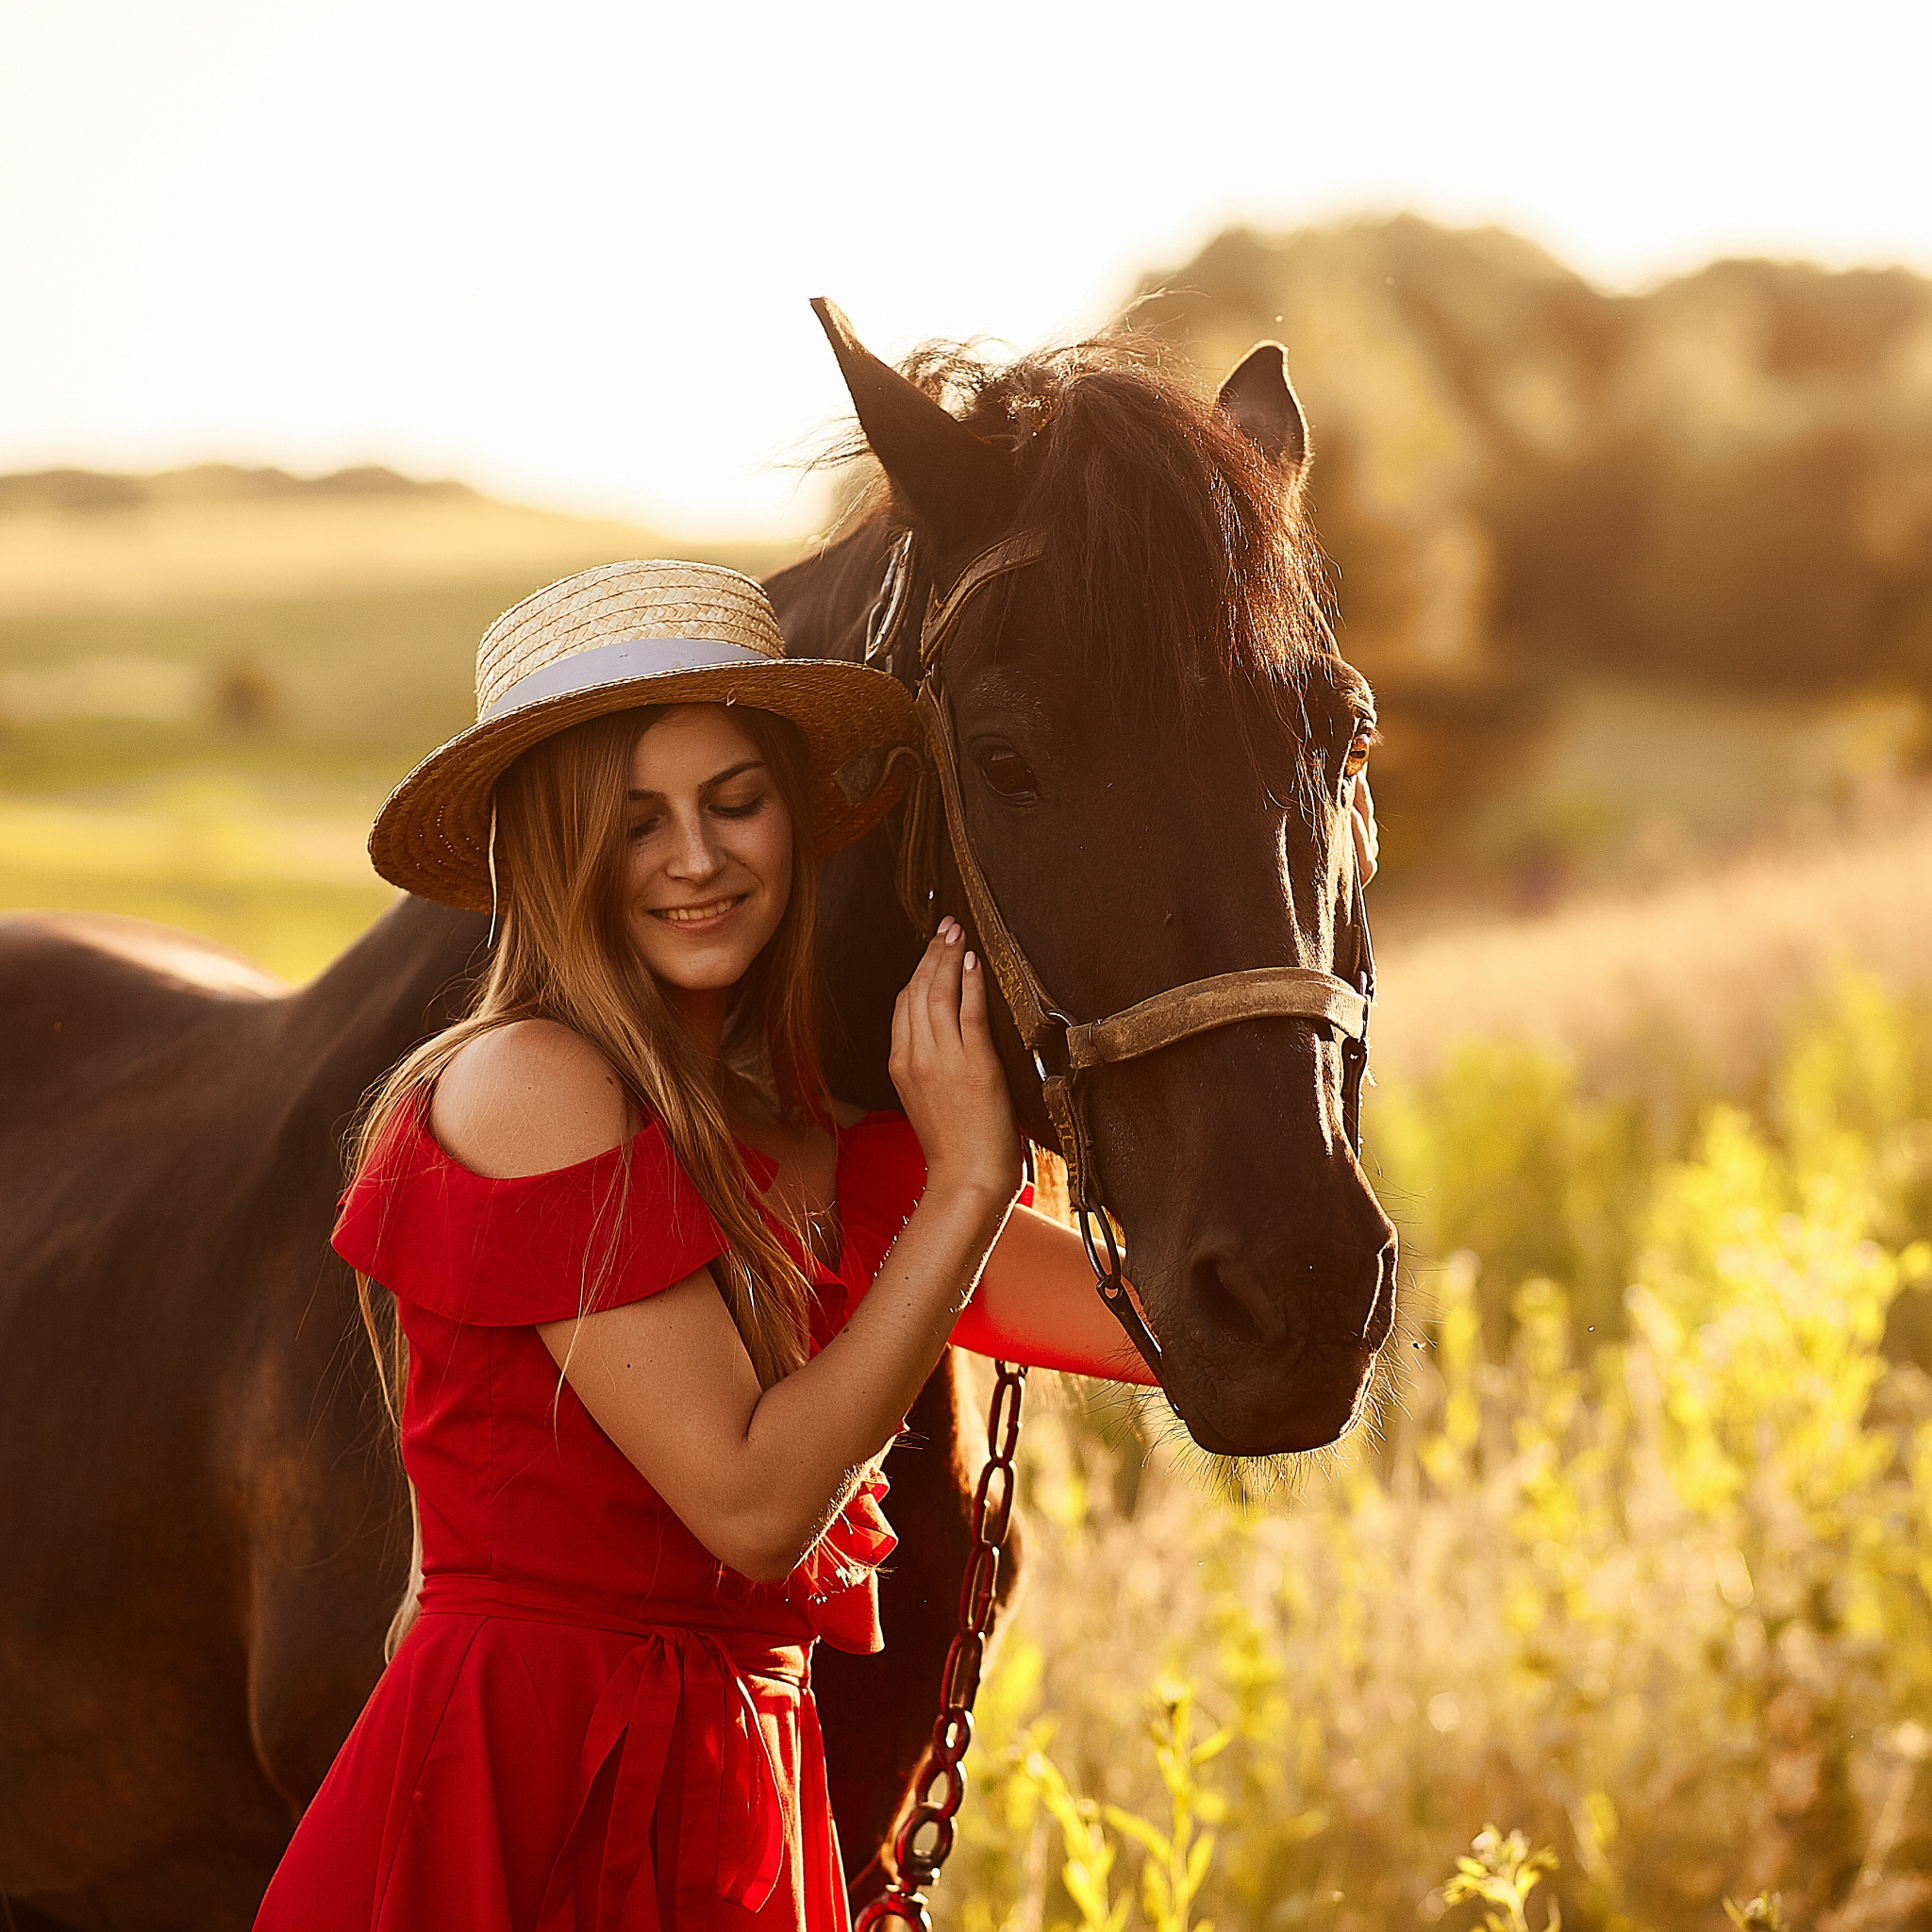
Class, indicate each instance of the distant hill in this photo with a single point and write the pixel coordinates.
(82, 543)
(102, 490)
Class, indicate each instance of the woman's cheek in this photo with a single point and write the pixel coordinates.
(773, 861)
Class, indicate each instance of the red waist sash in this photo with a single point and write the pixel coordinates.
(732, 1836)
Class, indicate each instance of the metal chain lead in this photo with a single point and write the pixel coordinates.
(940, 1787)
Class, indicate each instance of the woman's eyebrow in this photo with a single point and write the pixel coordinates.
(716, 778)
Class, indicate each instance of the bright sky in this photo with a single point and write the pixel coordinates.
(564, 249)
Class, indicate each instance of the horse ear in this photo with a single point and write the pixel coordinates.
(959, 485)
(1262, 401)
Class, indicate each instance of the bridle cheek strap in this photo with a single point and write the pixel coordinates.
(1019, 985)
(1042, 1031)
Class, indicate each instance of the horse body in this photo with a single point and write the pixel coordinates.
(200, 1519)
(205, 1526)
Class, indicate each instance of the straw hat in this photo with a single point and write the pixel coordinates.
(621, 636)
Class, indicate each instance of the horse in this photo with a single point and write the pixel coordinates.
(205, 1522)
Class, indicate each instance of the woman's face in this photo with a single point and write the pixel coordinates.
(709, 842)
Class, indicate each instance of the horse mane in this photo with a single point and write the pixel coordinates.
(1164, 523)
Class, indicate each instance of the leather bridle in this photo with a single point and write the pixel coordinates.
(1064, 1052)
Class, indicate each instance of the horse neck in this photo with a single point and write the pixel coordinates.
(866, 949)
(406, 979)
(823, 603)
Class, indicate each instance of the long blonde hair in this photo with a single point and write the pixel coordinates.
(563, 953)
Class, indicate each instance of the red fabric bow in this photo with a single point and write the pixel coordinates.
(731, 1841)
(675, 1707)
(833, 1584)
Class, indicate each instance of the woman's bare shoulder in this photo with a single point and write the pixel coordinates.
(527, 1098)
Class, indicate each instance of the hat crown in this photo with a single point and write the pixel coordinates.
(617, 603)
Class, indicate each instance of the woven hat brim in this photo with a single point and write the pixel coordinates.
(432, 835)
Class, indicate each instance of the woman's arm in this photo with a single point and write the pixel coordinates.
(1037, 1303)
(757, 1474)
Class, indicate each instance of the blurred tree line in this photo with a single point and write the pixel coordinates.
(74, 490)
(1523, 481)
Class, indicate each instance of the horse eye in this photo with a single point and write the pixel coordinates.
(1007, 772)
(1358, 751)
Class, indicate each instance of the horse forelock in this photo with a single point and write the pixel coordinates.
(1175, 554)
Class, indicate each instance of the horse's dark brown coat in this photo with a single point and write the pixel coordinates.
(201, 1519)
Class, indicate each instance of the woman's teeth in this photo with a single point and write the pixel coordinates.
(689, 915)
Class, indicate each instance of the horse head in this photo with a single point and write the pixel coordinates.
(1153, 739)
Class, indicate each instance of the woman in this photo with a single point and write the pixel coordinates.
(660, 1302)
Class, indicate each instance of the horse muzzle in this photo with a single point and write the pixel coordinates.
(1276, 1354)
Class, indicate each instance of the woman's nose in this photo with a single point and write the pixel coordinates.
(692, 854)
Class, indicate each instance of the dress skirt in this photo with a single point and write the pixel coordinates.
(479, 1787)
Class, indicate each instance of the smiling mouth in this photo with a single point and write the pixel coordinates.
(707, 914)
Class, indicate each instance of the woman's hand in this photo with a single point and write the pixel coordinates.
(948, 1076)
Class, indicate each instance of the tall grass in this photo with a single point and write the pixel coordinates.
(1640, 1562)
(1682, 989)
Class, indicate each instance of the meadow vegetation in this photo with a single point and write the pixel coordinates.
(1677, 990)
(1635, 1562)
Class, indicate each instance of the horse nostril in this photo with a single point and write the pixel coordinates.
(1327, 1293)
(1234, 1302)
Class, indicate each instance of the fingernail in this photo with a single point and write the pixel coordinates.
(971, 965)
(953, 937)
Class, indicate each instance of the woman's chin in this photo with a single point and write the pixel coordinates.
(691, 968)
(700, 962)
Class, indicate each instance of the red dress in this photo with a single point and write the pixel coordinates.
(592, 1723)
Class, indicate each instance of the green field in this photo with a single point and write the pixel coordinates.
(218, 768)
(243, 816)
